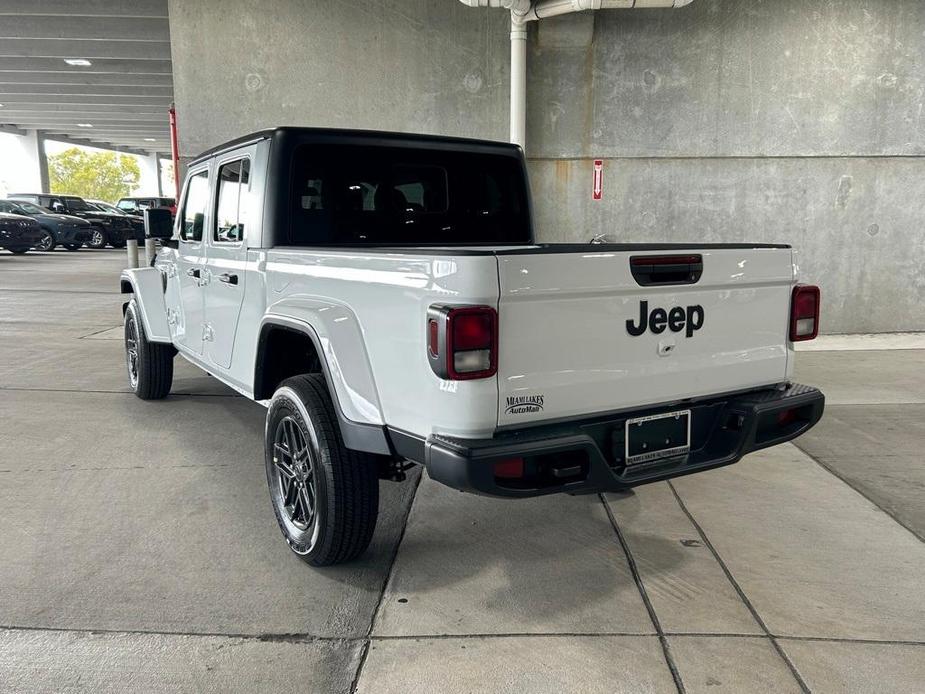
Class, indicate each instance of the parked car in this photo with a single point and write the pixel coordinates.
(137, 221)
(19, 233)
(384, 296)
(105, 228)
(71, 232)
(137, 206)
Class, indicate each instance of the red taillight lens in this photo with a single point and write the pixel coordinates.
(468, 337)
(472, 330)
(804, 313)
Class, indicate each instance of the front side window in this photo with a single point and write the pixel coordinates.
(76, 204)
(127, 204)
(194, 207)
(232, 201)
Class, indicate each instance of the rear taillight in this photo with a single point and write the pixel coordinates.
(462, 342)
(804, 313)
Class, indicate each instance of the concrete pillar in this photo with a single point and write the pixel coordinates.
(23, 168)
(148, 183)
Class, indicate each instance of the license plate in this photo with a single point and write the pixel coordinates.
(658, 436)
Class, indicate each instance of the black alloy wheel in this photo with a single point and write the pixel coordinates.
(97, 238)
(46, 243)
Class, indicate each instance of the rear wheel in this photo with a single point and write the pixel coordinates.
(97, 238)
(325, 496)
(149, 364)
(47, 242)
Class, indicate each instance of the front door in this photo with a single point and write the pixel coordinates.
(187, 302)
(227, 257)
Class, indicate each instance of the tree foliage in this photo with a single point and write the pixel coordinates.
(95, 175)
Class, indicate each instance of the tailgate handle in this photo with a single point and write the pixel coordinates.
(654, 270)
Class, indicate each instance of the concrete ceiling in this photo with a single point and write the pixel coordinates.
(124, 94)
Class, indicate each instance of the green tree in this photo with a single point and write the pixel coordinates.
(95, 175)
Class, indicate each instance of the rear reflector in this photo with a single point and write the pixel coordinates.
(510, 469)
(804, 313)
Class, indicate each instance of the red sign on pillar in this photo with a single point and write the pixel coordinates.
(597, 190)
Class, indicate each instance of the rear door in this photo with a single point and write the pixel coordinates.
(227, 254)
(600, 330)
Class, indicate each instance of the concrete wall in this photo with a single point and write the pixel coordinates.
(797, 121)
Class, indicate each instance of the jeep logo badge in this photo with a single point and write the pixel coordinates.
(689, 320)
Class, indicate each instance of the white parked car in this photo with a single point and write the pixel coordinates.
(384, 297)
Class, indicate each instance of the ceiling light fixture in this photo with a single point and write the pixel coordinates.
(78, 62)
(150, 139)
(85, 125)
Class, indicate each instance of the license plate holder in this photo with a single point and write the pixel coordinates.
(658, 436)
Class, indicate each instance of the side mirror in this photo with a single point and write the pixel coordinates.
(158, 224)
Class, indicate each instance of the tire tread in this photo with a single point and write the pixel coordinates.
(155, 363)
(354, 498)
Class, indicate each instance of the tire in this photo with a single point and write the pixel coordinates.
(47, 243)
(98, 238)
(344, 483)
(149, 364)
(73, 246)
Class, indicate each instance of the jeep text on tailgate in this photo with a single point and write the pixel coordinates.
(383, 296)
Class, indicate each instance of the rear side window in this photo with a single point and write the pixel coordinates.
(194, 207)
(232, 201)
(347, 195)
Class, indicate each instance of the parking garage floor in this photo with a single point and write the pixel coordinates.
(138, 549)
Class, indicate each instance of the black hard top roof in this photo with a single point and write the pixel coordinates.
(373, 137)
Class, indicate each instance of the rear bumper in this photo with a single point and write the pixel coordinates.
(587, 456)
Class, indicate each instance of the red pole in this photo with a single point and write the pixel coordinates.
(175, 150)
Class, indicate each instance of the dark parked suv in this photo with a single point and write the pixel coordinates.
(17, 233)
(71, 232)
(137, 206)
(105, 228)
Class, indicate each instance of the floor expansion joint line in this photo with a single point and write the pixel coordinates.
(741, 593)
(385, 584)
(663, 640)
(311, 638)
(844, 480)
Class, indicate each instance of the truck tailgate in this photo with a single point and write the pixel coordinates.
(567, 321)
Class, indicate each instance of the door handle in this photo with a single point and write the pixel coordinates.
(228, 279)
(193, 272)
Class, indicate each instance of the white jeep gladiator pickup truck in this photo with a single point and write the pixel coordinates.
(383, 296)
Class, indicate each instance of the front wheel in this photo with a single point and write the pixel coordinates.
(46, 243)
(149, 364)
(325, 496)
(97, 238)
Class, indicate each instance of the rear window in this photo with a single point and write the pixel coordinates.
(347, 195)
